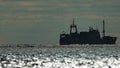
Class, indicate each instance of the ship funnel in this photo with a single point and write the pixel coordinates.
(103, 28)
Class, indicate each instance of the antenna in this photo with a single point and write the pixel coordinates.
(103, 28)
(73, 21)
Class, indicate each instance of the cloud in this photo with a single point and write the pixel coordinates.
(48, 15)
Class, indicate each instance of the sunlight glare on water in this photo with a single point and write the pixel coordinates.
(75, 57)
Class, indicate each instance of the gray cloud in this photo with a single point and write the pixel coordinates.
(36, 18)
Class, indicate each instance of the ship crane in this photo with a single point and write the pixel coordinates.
(73, 28)
(103, 28)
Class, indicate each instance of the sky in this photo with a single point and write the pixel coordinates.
(41, 21)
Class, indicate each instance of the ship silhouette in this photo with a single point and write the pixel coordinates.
(87, 37)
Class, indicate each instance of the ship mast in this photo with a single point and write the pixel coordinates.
(73, 26)
(73, 22)
(103, 28)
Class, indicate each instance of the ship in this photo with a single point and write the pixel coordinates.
(92, 36)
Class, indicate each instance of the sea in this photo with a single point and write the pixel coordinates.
(71, 56)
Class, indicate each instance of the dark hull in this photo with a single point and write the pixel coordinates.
(110, 41)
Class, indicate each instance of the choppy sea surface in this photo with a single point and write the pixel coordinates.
(85, 56)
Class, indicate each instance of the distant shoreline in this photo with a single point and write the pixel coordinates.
(58, 46)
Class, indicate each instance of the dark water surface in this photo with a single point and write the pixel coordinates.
(107, 56)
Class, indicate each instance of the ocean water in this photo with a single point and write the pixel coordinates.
(81, 56)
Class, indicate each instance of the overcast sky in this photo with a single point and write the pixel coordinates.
(41, 21)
